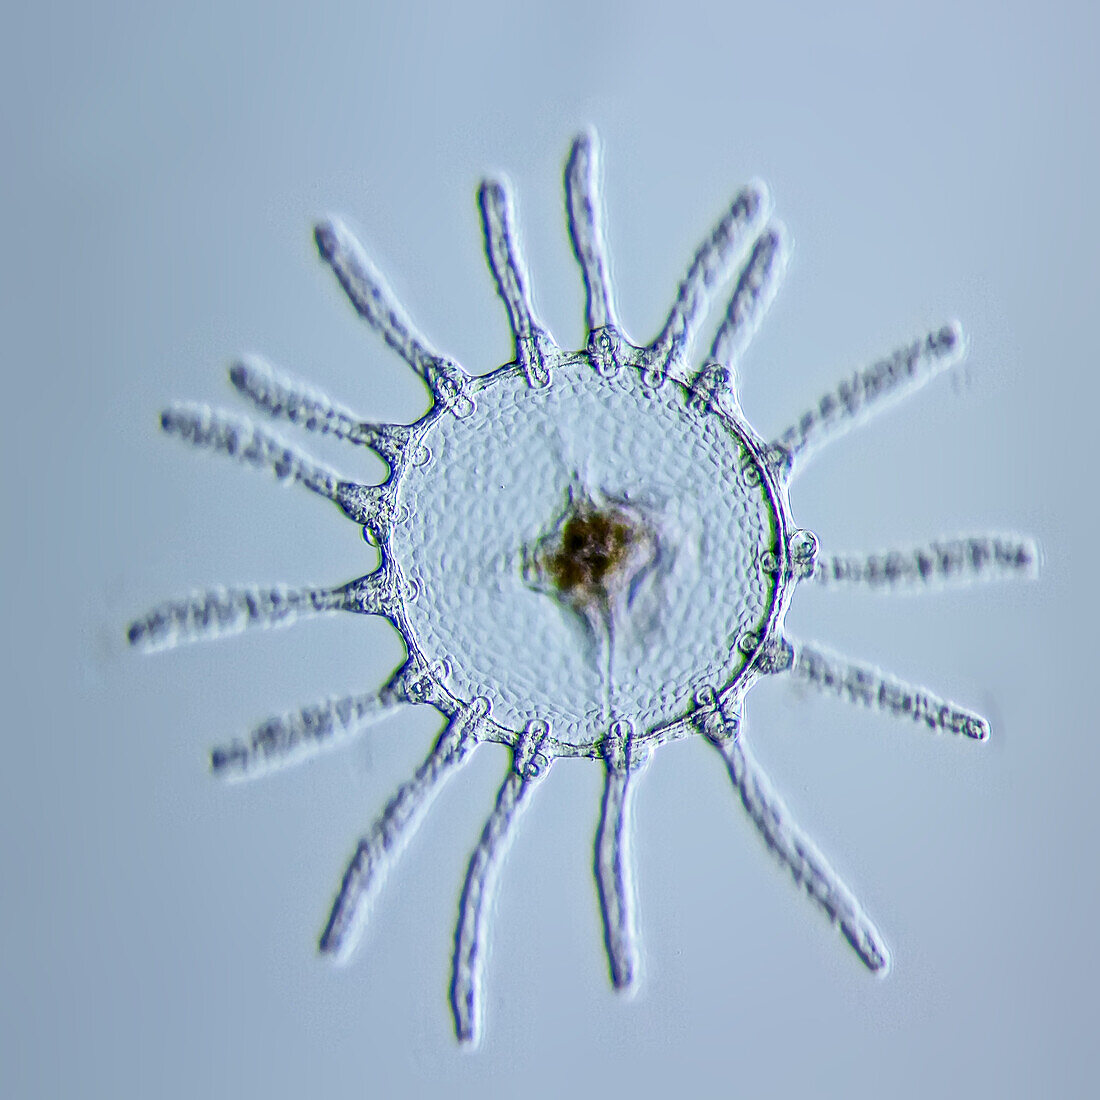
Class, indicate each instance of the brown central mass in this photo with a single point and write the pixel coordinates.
(594, 545)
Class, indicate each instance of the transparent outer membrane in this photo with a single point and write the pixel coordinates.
(474, 510)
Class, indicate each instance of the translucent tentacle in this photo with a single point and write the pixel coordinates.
(791, 846)
(873, 389)
(528, 767)
(866, 685)
(251, 446)
(962, 560)
(218, 612)
(389, 834)
(711, 267)
(291, 738)
(714, 387)
(757, 286)
(370, 505)
(614, 867)
(282, 397)
(506, 262)
(582, 192)
(372, 298)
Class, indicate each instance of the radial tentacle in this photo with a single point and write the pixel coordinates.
(585, 210)
(963, 561)
(614, 867)
(528, 766)
(282, 397)
(809, 868)
(294, 737)
(868, 686)
(715, 384)
(218, 612)
(506, 262)
(871, 390)
(369, 505)
(711, 267)
(389, 834)
(756, 288)
(250, 445)
(376, 303)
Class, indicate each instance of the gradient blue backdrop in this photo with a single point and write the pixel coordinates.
(162, 166)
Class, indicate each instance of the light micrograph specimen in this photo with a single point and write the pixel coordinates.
(587, 554)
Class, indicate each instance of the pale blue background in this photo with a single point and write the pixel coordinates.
(162, 164)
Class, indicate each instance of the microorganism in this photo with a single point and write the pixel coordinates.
(586, 553)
